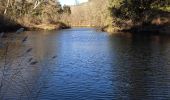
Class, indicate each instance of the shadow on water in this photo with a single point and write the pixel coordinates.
(82, 64)
(24, 65)
(7, 24)
(142, 66)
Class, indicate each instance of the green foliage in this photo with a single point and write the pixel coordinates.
(134, 9)
(163, 5)
(127, 14)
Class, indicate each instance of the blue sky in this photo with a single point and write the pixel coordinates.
(71, 2)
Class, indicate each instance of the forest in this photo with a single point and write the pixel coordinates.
(108, 15)
(32, 14)
(128, 15)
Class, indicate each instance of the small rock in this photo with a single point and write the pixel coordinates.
(2, 34)
(20, 30)
(29, 50)
(33, 63)
(25, 39)
(54, 57)
(30, 59)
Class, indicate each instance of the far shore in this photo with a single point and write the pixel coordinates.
(159, 29)
(13, 28)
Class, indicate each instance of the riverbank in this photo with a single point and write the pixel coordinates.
(49, 26)
(32, 15)
(157, 29)
(153, 21)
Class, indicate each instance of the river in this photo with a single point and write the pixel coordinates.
(84, 64)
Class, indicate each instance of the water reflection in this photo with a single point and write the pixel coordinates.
(82, 64)
(142, 67)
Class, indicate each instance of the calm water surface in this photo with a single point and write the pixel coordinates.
(82, 64)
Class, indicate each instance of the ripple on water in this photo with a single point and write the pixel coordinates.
(82, 64)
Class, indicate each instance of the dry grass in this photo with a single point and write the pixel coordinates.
(47, 26)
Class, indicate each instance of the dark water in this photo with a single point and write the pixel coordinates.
(82, 64)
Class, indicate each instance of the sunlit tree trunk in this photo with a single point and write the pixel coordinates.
(7, 5)
(37, 3)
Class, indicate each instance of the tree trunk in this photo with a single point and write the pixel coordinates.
(6, 7)
(37, 3)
